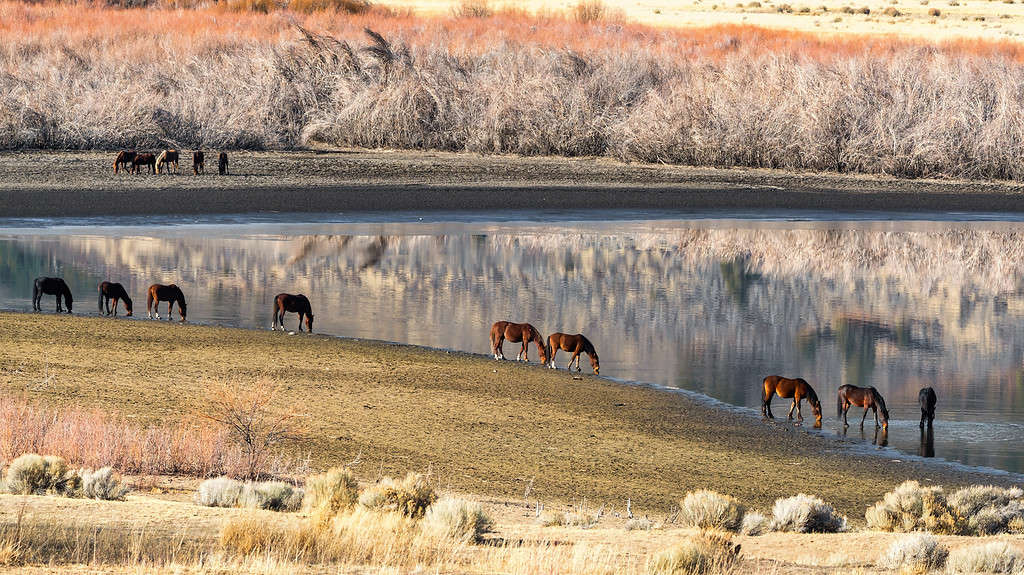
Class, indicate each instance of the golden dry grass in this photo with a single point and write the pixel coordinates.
(475, 424)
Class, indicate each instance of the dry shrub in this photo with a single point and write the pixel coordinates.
(271, 496)
(707, 509)
(473, 9)
(103, 484)
(805, 514)
(974, 510)
(95, 439)
(409, 497)
(754, 524)
(32, 474)
(219, 492)
(455, 518)
(934, 12)
(917, 553)
(579, 519)
(706, 552)
(639, 524)
(892, 11)
(331, 492)
(589, 11)
(994, 557)
(344, 6)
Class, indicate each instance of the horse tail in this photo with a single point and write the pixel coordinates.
(100, 290)
(839, 403)
(35, 290)
(273, 312)
(149, 299)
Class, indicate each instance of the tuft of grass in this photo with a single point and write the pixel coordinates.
(33, 474)
(994, 557)
(805, 514)
(589, 11)
(271, 496)
(219, 492)
(916, 553)
(639, 524)
(707, 509)
(578, 519)
(754, 524)
(410, 496)
(706, 552)
(103, 484)
(455, 518)
(473, 9)
(329, 493)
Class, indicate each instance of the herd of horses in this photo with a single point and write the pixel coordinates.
(522, 333)
(167, 160)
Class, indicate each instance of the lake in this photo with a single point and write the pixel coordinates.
(706, 302)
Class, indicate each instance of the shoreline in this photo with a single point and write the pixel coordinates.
(482, 425)
(80, 184)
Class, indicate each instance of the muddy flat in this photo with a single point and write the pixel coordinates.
(54, 184)
(478, 425)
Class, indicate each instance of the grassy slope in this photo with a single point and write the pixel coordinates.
(478, 425)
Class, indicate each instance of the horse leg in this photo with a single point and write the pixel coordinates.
(554, 352)
(864, 418)
(524, 352)
(300, 321)
(170, 306)
(796, 401)
(575, 357)
(766, 406)
(792, 407)
(875, 409)
(498, 352)
(846, 407)
(116, 301)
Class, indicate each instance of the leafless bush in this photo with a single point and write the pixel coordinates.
(917, 553)
(589, 11)
(706, 509)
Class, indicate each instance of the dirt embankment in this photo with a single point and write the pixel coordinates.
(54, 184)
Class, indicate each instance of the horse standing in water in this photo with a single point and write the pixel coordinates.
(785, 388)
(286, 302)
(517, 333)
(170, 294)
(866, 397)
(926, 397)
(114, 291)
(51, 286)
(576, 344)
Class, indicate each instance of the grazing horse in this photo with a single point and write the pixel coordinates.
(143, 160)
(167, 159)
(51, 286)
(517, 333)
(576, 344)
(198, 163)
(222, 163)
(866, 397)
(170, 294)
(786, 388)
(123, 159)
(114, 291)
(286, 302)
(926, 397)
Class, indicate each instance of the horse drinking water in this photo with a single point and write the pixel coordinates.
(866, 397)
(785, 388)
(54, 287)
(576, 344)
(517, 333)
(926, 397)
(286, 302)
(114, 291)
(170, 294)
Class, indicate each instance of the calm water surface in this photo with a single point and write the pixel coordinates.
(710, 303)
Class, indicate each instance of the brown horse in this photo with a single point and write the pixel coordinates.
(286, 302)
(866, 397)
(517, 333)
(785, 388)
(576, 344)
(143, 160)
(123, 159)
(167, 159)
(222, 163)
(198, 163)
(114, 291)
(926, 397)
(170, 294)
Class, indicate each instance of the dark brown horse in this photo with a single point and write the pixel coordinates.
(866, 397)
(167, 159)
(786, 388)
(926, 397)
(51, 286)
(143, 160)
(222, 163)
(198, 162)
(286, 302)
(123, 159)
(170, 294)
(576, 344)
(114, 291)
(517, 333)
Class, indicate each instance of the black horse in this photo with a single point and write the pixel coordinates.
(114, 291)
(927, 400)
(51, 286)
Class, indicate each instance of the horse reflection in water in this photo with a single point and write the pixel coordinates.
(927, 442)
(879, 438)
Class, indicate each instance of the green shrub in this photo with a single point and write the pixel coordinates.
(410, 497)
(454, 518)
(706, 509)
(32, 474)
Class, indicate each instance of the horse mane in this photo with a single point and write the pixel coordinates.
(877, 397)
(811, 395)
(588, 347)
(66, 291)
